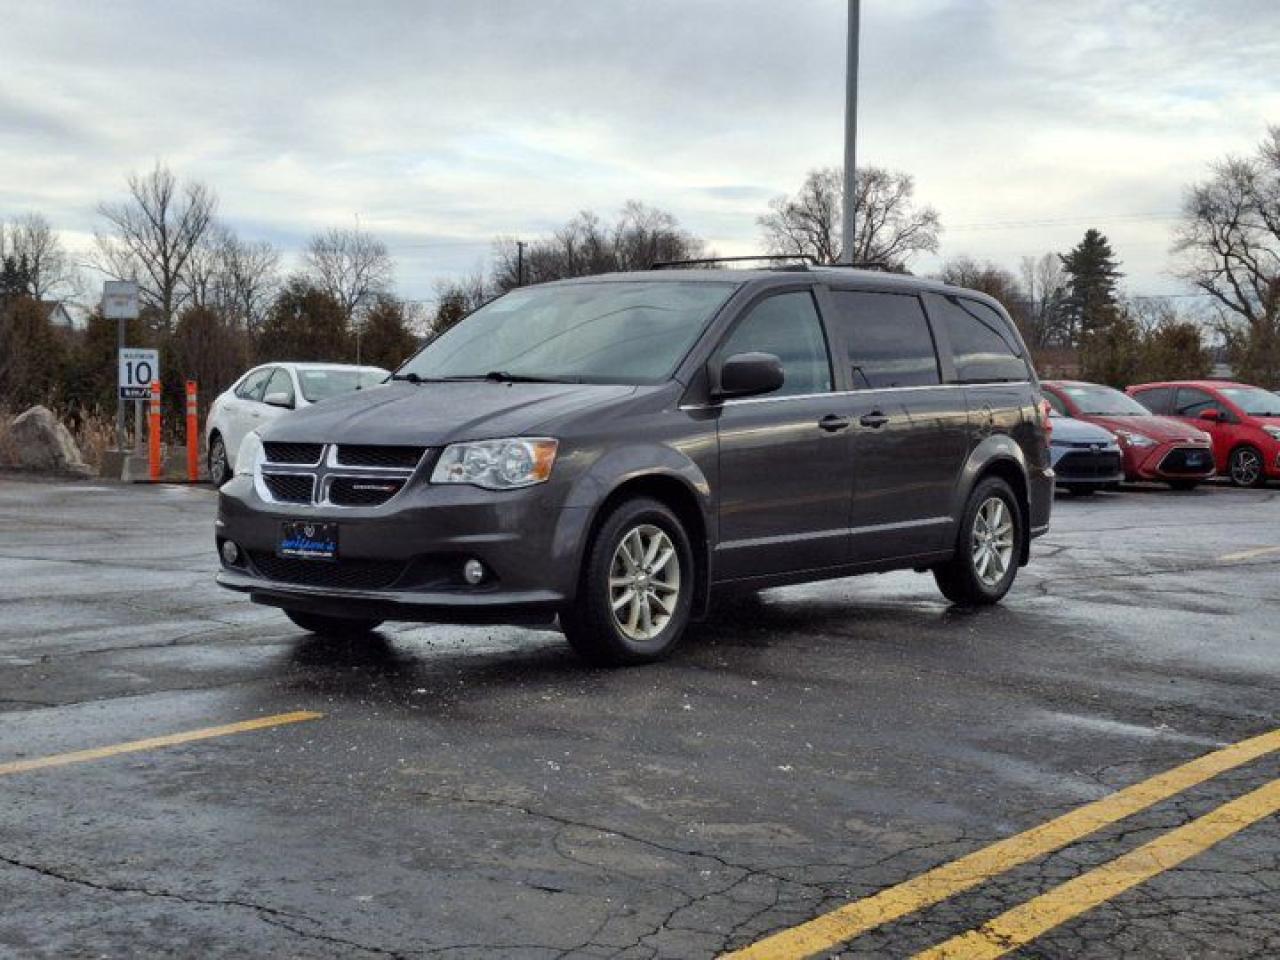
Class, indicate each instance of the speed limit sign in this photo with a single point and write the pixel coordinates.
(137, 369)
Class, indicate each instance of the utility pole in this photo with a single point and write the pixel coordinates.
(850, 133)
(520, 245)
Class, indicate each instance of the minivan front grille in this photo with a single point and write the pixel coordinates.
(306, 454)
(387, 457)
(347, 475)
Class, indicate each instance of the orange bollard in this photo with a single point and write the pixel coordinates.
(193, 433)
(153, 431)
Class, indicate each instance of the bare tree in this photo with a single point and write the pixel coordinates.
(150, 237)
(1044, 285)
(889, 228)
(352, 266)
(586, 245)
(457, 298)
(1228, 245)
(234, 279)
(30, 239)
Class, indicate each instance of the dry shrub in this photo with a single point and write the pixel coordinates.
(95, 433)
(8, 456)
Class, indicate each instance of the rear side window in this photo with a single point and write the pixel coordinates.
(982, 345)
(252, 386)
(1192, 402)
(1157, 399)
(887, 338)
(787, 326)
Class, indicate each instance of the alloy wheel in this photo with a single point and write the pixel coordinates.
(992, 544)
(644, 582)
(218, 462)
(1246, 467)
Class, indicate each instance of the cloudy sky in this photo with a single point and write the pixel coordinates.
(442, 124)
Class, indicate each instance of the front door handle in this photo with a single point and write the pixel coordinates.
(831, 423)
(875, 420)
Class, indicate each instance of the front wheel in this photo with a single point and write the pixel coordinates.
(1246, 467)
(219, 469)
(332, 626)
(986, 557)
(636, 590)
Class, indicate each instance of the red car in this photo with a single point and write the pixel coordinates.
(1154, 448)
(1244, 422)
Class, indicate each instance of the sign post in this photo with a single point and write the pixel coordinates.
(120, 303)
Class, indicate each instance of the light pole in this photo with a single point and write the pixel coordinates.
(850, 133)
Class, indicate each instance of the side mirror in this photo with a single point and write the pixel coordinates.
(279, 400)
(1213, 414)
(747, 375)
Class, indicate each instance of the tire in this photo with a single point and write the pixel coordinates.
(960, 579)
(647, 625)
(332, 626)
(1246, 467)
(219, 468)
(1184, 484)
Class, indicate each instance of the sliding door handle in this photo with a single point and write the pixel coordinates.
(831, 423)
(875, 419)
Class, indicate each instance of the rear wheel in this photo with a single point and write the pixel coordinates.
(219, 469)
(332, 626)
(986, 557)
(1246, 468)
(636, 590)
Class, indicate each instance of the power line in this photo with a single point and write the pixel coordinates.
(1063, 222)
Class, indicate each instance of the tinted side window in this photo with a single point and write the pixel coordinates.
(788, 327)
(253, 386)
(1192, 402)
(1157, 399)
(280, 382)
(1055, 401)
(888, 339)
(982, 346)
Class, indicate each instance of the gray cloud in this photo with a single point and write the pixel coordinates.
(441, 124)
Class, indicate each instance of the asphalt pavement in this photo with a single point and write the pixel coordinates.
(183, 773)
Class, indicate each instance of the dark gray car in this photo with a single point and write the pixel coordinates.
(613, 451)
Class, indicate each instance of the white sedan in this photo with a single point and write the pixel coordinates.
(268, 391)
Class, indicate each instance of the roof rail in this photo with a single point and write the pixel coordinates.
(706, 261)
(865, 265)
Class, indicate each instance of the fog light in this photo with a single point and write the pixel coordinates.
(473, 571)
(230, 553)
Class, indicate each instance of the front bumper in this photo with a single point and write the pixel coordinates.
(1169, 461)
(403, 560)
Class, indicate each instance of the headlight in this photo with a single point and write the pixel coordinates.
(497, 464)
(1135, 439)
(249, 455)
(1272, 432)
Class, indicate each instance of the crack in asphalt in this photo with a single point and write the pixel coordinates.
(271, 915)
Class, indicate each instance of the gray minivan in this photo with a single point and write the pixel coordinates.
(612, 451)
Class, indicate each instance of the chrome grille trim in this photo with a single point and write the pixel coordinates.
(322, 475)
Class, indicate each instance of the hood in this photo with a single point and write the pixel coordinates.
(1157, 428)
(433, 414)
(1078, 431)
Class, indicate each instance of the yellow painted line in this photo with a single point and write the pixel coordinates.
(1248, 554)
(1024, 923)
(153, 743)
(844, 923)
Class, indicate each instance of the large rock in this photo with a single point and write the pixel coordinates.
(40, 442)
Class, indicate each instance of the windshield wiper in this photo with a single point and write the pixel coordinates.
(505, 376)
(410, 376)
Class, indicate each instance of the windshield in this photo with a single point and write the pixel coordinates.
(1098, 401)
(320, 385)
(603, 332)
(1253, 401)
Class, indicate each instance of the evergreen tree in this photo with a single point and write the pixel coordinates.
(385, 337)
(15, 280)
(1092, 272)
(305, 323)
